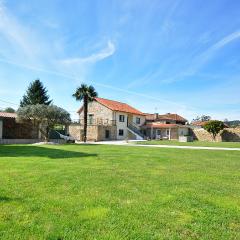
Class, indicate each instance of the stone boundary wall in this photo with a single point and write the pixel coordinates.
(14, 130)
(29, 141)
(226, 135)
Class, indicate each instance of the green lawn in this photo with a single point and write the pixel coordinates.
(118, 192)
(195, 143)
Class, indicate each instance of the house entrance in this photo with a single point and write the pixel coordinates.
(107, 134)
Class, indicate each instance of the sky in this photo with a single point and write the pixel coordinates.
(178, 56)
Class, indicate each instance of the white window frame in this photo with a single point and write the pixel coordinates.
(90, 118)
(121, 118)
(138, 120)
(119, 132)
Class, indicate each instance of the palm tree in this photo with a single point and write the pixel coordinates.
(87, 94)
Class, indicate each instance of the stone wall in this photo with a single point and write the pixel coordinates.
(76, 131)
(102, 130)
(94, 132)
(29, 141)
(174, 134)
(13, 130)
(226, 135)
(231, 135)
(1, 128)
(99, 111)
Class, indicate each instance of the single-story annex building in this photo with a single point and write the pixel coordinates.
(11, 131)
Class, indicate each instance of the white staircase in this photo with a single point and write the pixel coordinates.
(135, 131)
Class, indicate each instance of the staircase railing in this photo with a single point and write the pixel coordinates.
(135, 129)
(96, 121)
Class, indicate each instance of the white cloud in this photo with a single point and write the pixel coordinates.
(95, 57)
(210, 52)
(200, 60)
(226, 40)
(15, 34)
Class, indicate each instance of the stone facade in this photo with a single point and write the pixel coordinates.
(99, 111)
(102, 133)
(226, 135)
(94, 132)
(75, 131)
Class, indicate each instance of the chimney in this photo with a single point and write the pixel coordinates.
(155, 115)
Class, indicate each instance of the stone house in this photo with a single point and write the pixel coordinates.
(167, 126)
(109, 120)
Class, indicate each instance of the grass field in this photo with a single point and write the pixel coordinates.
(118, 192)
(194, 143)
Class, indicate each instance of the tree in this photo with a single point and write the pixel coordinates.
(87, 94)
(44, 117)
(9, 110)
(35, 94)
(203, 118)
(214, 127)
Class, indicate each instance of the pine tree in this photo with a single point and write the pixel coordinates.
(36, 94)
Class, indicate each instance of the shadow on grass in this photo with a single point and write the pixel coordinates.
(34, 151)
(8, 199)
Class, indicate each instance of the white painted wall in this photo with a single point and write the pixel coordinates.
(142, 120)
(121, 125)
(1, 130)
(183, 131)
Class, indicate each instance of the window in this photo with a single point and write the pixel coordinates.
(121, 118)
(158, 132)
(120, 132)
(90, 117)
(107, 134)
(138, 120)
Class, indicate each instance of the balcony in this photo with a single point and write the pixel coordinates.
(97, 121)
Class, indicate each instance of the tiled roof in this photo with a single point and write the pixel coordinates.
(150, 116)
(116, 106)
(172, 116)
(7, 115)
(168, 116)
(163, 125)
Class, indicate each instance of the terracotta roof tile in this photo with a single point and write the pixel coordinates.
(8, 115)
(150, 116)
(172, 116)
(116, 106)
(168, 116)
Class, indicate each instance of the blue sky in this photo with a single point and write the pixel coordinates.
(161, 56)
